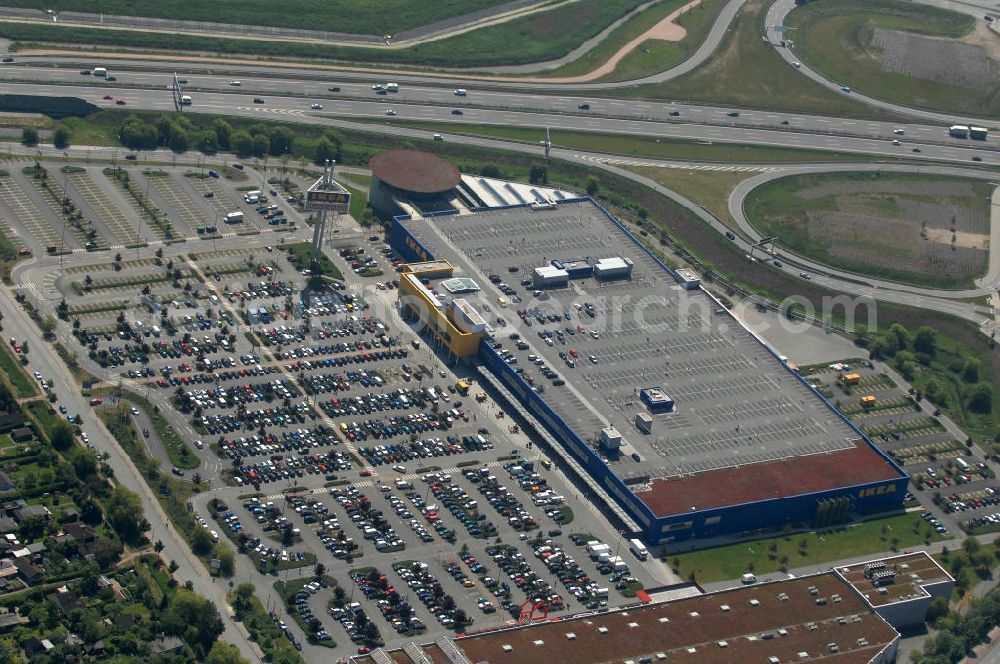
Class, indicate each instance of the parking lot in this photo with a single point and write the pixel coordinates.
(326, 431)
(945, 472)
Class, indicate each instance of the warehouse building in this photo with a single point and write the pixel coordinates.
(810, 618)
(736, 442)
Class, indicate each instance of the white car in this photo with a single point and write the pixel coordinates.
(235, 84)
(895, 141)
(845, 88)
(898, 132)
(797, 64)
(390, 112)
(399, 469)
(135, 411)
(438, 137)
(316, 107)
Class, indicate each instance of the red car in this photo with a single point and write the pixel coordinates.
(108, 97)
(364, 650)
(120, 102)
(366, 473)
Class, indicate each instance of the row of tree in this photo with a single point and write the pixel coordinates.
(178, 133)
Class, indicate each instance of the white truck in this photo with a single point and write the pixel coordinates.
(101, 71)
(185, 100)
(392, 87)
(638, 549)
(234, 218)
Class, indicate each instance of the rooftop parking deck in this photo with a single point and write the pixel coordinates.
(736, 403)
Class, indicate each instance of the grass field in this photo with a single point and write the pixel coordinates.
(534, 38)
(298, 256)
(44, 416)
(769, 555)
(924, 230)
(22, 385)
(709, 189)
(351, 16)
(838, 39)
(654, 56)
(635, 146)
(747, 73)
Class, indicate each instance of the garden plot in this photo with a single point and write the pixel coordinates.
(941, 61)
(112, 217)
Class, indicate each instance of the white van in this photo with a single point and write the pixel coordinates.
(461, 92)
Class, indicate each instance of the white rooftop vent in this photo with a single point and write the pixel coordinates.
(755, 602)
(694, 614)
(692, 650)
(723, 644)
(862, 642)
(773, 660)
(661, 656)
(570, 635)
(507, 647)
(538, 642)
(783, 632)
(803, 655)
(783, 597)
(663, 619)
(835, 598)
(813, 590)
(602, 630)
(812, 626)
(832, 647)
(724, 607)
(633, 624)
(904, 566)
(883, 591)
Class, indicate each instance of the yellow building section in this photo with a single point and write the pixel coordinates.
(435, 269)
(421, 303)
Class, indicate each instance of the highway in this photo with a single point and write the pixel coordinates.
(754, 128)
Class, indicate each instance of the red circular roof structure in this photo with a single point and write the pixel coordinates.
(414, 171)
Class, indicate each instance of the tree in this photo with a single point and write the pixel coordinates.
(223, 133)
(137, 135)
(925, 341)
(243, 598)
(125, 514)
(324, 150)
(158, 547)
(193, 618)
(107, 550)
(31, 528)
(281, 141)
(224, 554)
(179, 140)
(201, 541)
(970, 373)
(319, 570)
(490, 171)
(29, 136)
(593, 186)
(242, 144)
(260, 145)
(60, 137)
(538, 174)
(224, 653)
(62, 436)
(207, 142)
(981, 398)
(85, 464)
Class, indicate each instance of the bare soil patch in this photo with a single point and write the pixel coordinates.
(940, 60)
